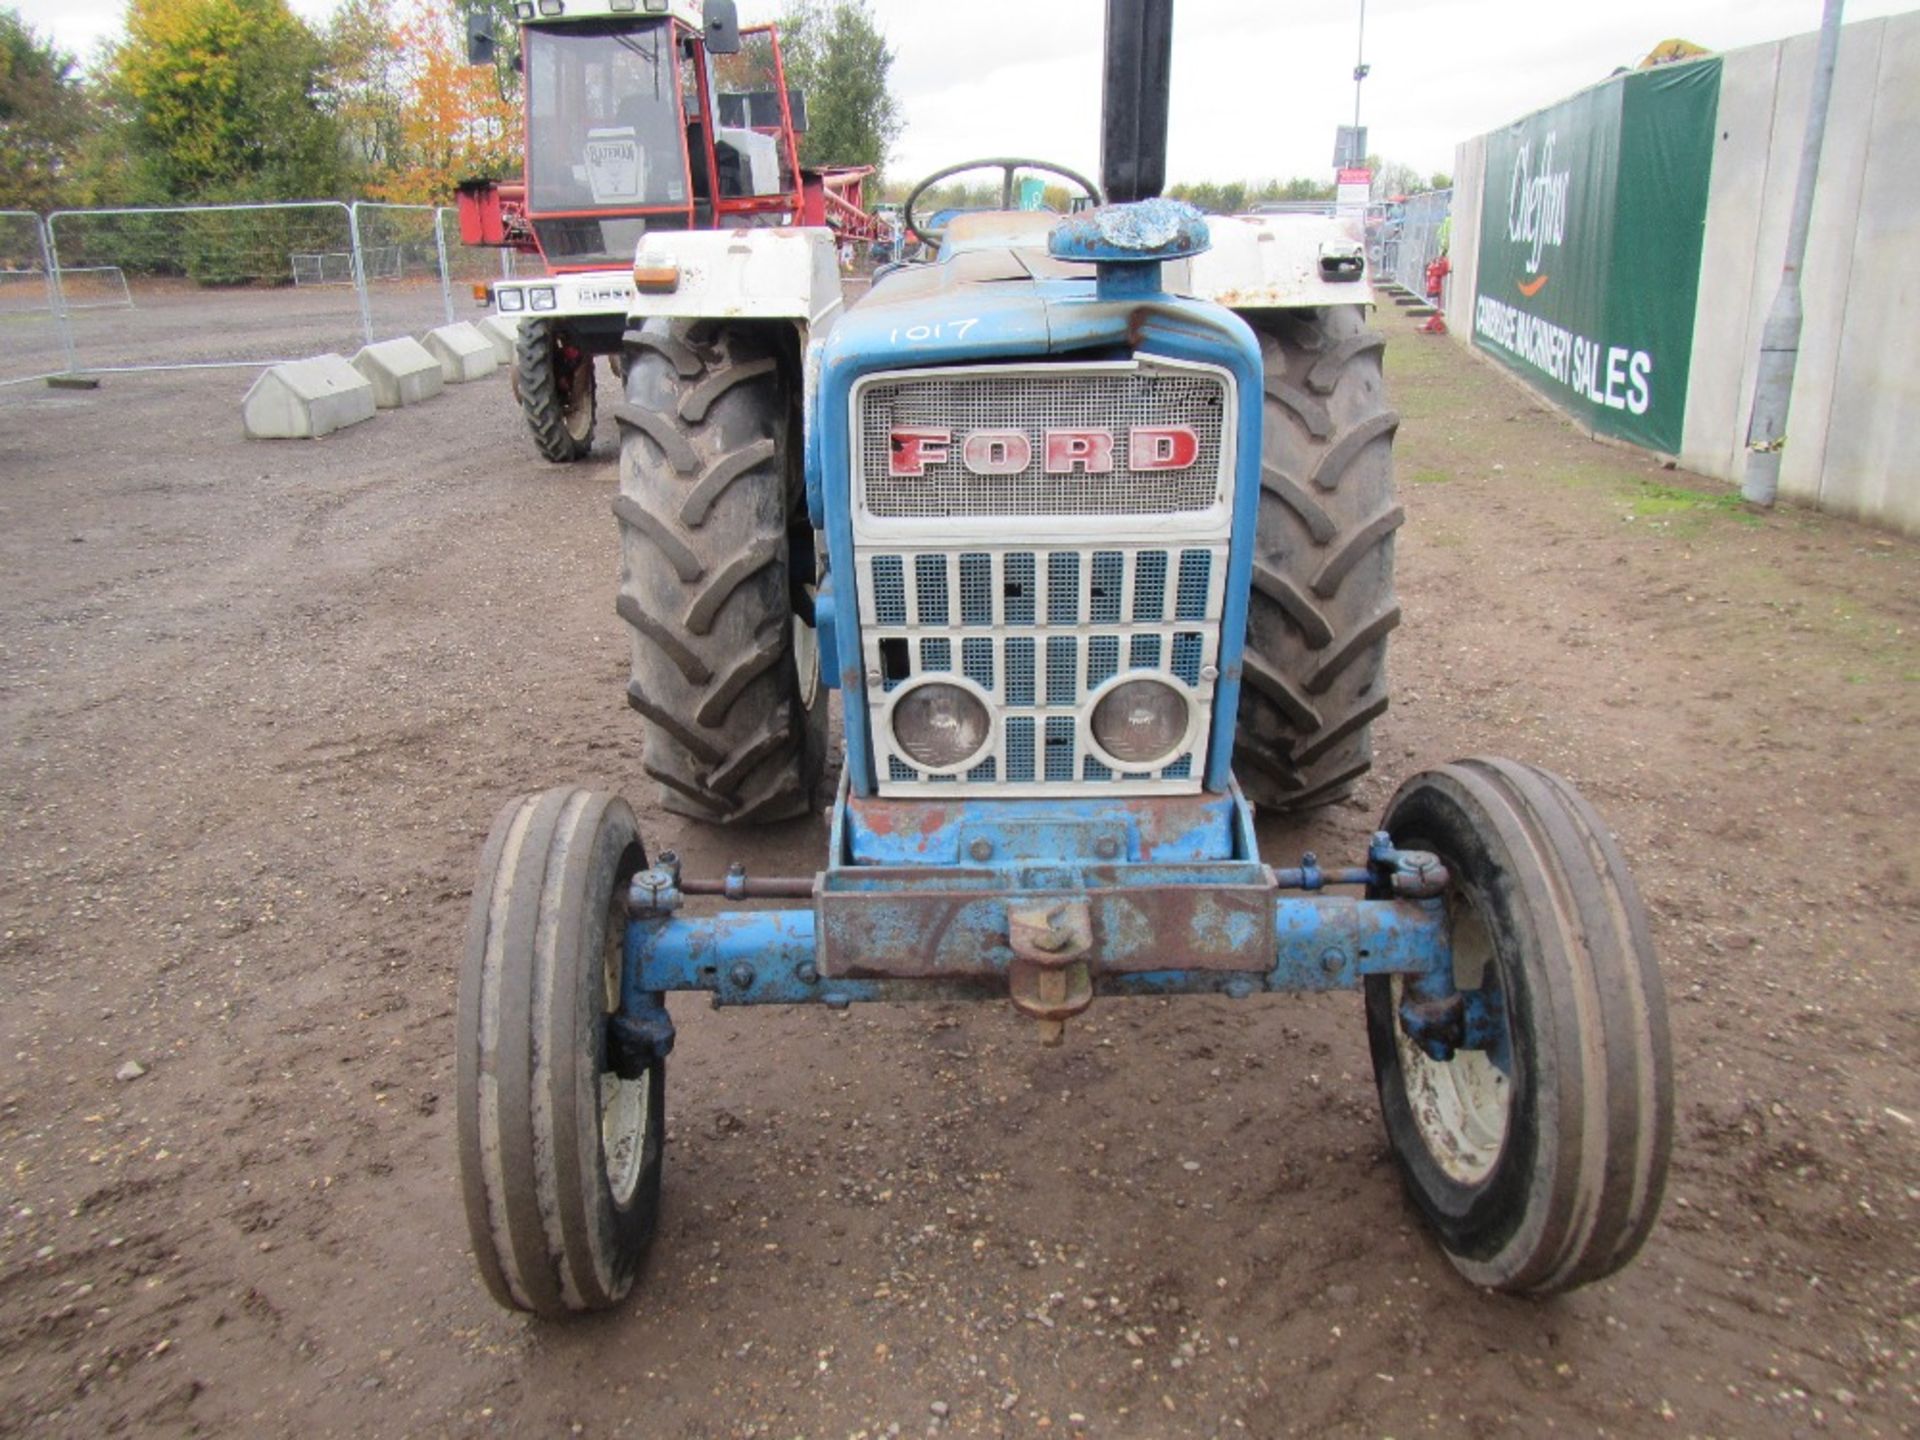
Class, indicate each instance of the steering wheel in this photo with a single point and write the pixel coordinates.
(1006, 165)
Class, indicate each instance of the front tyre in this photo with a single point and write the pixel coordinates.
(560, 1158)
(1539, 1161)
(553, 380)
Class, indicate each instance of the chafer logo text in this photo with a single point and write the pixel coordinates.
(912, 448)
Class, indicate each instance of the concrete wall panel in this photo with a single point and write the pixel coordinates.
(1826, 280)
(1469, 182)
(1722, 325)
(1872, 440)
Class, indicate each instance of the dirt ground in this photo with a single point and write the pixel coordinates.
(259, 703)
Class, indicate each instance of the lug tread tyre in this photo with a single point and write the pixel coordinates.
(562, 424)
(548, 1234)
(708, 485)
(1581, 1171)
(1323, 600)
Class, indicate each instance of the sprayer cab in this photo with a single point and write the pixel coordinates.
(665, 118)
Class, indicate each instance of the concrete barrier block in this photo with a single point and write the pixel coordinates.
(403, 372)
(463, 352)
(503, 331)
(305, 399)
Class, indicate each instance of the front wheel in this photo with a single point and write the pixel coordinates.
(553, 379)
(560, 1157)
(1540, 1159)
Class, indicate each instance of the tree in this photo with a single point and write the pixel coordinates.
(834, 51)
(226, 100)
(454, 121)
(1393, 177)
(44, 118)
(364, 75)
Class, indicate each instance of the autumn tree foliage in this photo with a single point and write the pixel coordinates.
(453, 120)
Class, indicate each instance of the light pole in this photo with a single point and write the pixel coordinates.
(1360, 68)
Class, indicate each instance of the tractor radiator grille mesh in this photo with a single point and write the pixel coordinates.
(1039, 631)
(1111, 402)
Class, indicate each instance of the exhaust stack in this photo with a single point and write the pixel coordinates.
(1133, 118)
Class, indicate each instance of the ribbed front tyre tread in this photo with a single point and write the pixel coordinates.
(1579, 1174)
(549, 1233)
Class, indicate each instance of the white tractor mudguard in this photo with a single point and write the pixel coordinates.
(789, 273)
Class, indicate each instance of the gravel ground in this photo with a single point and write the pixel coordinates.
(260, 701)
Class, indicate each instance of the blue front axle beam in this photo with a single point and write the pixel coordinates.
(773, 957)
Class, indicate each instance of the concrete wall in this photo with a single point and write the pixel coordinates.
(1469, 181)
(1853, 434)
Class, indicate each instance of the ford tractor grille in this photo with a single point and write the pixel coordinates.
(1009, 654)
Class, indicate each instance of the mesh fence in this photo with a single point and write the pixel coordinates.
(1415, 238)
(207, 285)
(211, 285)
(31, 342)
(471, 265)
(404, 264)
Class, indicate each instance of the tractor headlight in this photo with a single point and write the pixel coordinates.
(940, 726)
(1138, 722)
(510, 301)
(540, 297)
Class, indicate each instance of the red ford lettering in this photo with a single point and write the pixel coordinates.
(912, 448)
(1162, 447)
(997, 452)
(1091, 450)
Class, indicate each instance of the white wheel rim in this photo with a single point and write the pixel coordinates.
(1460, 1106)
(624, 1104)
(578, 406)
(806, 661)
(623, 1133)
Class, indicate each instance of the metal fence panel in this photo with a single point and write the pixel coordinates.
(1416, 238)
(208, 285)
(32, 328)
(403, 263)
(471, 265)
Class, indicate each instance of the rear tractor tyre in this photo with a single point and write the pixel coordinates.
(726, 673)
(1323, 600)
(560, 1158)
(553, 380)
(1539, 1161)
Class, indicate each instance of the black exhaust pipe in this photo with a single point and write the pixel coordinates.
(1133, 116)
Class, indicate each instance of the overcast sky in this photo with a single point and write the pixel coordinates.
(1258, 85)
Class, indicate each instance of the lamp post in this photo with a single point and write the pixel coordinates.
(1360, 67)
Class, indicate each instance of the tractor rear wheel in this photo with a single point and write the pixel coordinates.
(725, 672)
(1323, 599)
(553, 380)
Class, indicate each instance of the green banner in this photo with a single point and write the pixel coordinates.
(1590, 230)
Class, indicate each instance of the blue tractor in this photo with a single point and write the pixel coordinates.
(1090, 523)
